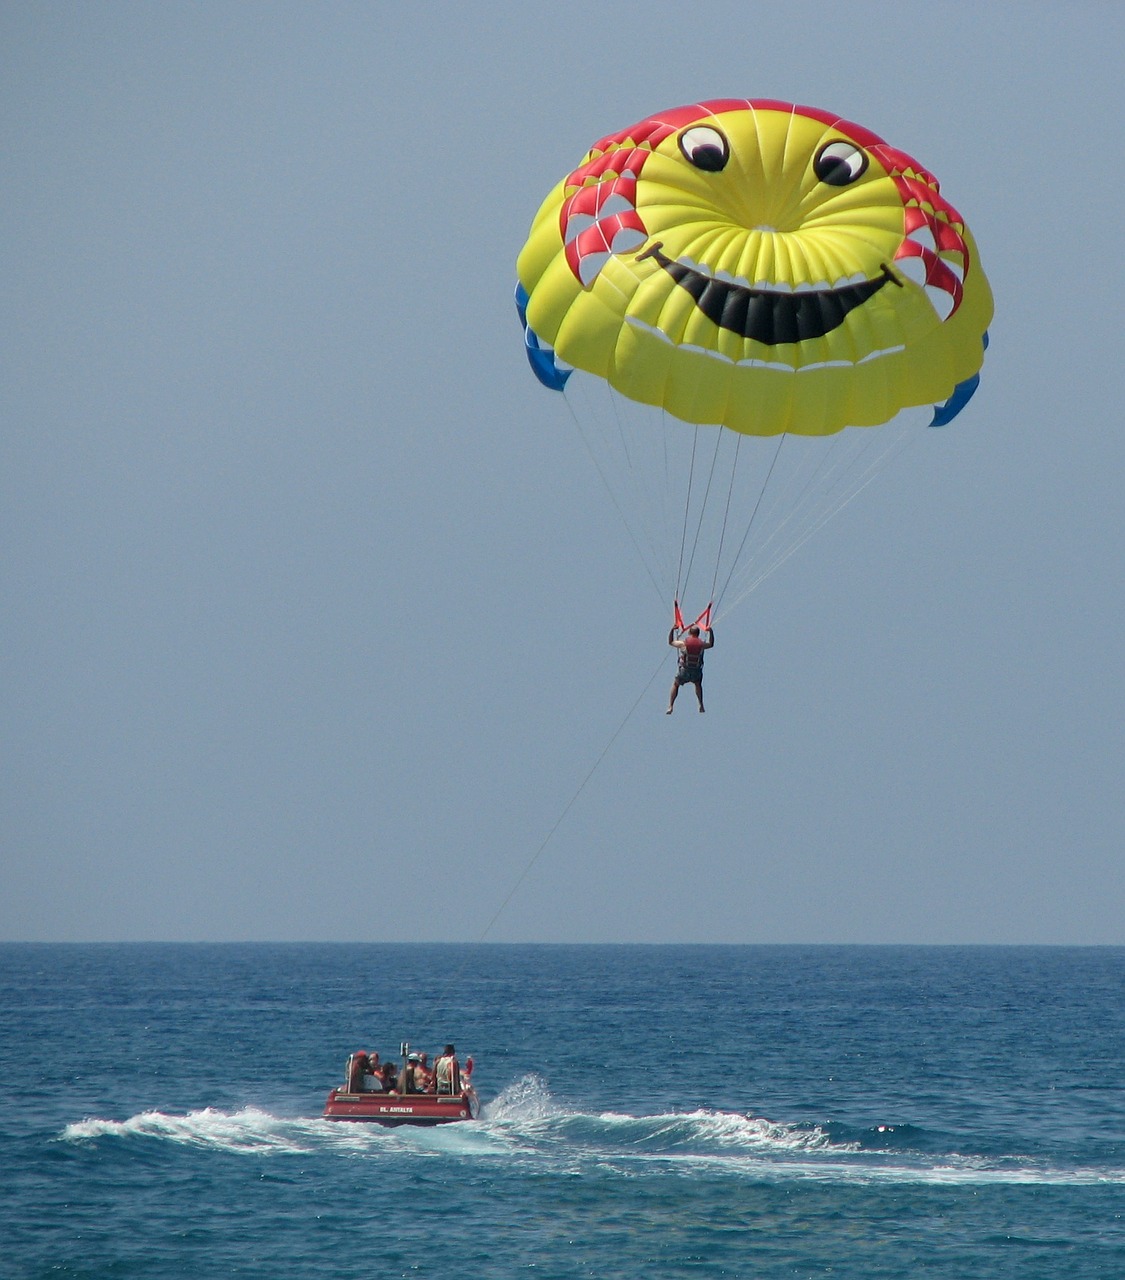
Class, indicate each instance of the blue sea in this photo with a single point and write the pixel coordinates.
(665, 1111)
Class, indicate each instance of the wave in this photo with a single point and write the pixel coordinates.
(527, 1105)
(250, 1130)
(526, 1125)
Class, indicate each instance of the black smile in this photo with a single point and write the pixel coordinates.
(770, 316)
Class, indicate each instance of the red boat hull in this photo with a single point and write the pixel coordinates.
(402, 1108)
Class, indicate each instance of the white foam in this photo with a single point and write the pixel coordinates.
(247, 1130)
(526, 1100)
(525, 1125)
(727, 1130)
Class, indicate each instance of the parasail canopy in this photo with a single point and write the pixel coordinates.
(758, 266)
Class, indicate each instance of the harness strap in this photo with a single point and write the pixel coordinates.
(703, 621)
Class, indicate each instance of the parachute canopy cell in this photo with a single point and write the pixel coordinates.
(756, 265)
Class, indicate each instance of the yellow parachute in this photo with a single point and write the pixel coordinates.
(758, 266)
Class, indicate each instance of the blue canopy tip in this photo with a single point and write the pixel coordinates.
(544, 363)
(962, 394)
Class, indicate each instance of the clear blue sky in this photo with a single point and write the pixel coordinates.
(316, 615)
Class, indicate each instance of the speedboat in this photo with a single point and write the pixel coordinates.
(365, 1097)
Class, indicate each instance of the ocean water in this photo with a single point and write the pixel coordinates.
(845, 1112)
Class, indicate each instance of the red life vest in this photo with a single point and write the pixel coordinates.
(691, 659)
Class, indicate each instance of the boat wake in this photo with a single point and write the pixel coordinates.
(526, 1125)
(526, 1108)
(248, 1130)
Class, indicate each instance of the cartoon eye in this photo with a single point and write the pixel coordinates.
(704, 147)
(839, 163)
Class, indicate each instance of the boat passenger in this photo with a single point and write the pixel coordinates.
(372, 1079)
(447, 1071)
(390, 1077)
(414, 1079)
(353, 1072)
(426, 1076)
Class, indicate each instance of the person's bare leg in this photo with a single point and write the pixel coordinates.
(672, 697)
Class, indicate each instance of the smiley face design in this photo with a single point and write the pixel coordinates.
(758, 265)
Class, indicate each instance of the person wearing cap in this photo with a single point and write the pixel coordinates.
(447, 1071)
(353, 1072)
(414, 1078)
